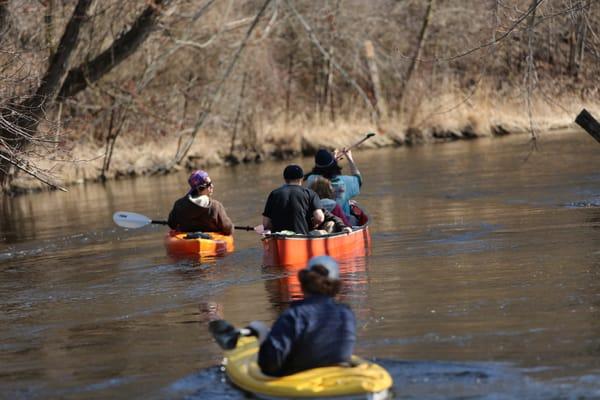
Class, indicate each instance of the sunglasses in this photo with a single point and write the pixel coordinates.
(204, 186)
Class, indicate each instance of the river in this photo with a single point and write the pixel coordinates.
(483, 280)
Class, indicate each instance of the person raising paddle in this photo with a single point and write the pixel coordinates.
(345, 187)
(313, 332)
(197, 210)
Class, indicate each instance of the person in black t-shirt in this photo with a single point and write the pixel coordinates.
(292, 207)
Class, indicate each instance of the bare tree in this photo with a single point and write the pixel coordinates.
(418, 51)
(21, 120)
(307, 59)
(124, 46)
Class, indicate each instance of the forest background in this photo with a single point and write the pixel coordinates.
(93, 90)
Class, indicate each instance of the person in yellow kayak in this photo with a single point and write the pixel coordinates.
(292, 207)
(197, 211)
(313, 332)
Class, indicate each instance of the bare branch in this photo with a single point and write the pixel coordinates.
(337, 66)
(125, 45)
(18, 164)
(182, 152)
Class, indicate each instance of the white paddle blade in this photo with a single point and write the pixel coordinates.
(130, 220)
(260, 229)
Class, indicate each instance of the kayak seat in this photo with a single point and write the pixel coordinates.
(197, 235)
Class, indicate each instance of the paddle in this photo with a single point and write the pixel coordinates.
(367, 137)
(226, 334)
(589, 123)
(132, 220)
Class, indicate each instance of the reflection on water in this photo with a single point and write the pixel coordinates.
(483, 282)
(287, 288)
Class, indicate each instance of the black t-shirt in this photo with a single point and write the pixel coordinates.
(290, 208)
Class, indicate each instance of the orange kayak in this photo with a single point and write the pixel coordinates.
(202, 244)
(296, 250)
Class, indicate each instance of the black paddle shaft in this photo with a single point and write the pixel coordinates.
(244, 228)
(589, 123)
(224, 333)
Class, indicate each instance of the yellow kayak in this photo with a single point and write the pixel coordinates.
(363, 380)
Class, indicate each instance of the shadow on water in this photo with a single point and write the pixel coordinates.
(421, 380)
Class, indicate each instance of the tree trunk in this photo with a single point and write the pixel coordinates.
(62, 82)
(335, 64)
(237, 116)
(214, 97)
(418, 51)
(23, 125)
(48, 24)
(581, 31)
(4, 18)
(327, 75)
(379, 100)
(124, 46)
(288, 92)
(577, 43)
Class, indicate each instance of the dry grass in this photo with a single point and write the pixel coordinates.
(451, 115)
(283, 92)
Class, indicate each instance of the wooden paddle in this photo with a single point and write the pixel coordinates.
(361, 141)
(589, 123)
(132, 220)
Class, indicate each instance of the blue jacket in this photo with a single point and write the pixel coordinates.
(313, 332)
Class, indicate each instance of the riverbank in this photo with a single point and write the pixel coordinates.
(448, 117)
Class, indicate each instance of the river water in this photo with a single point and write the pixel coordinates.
(483, 280)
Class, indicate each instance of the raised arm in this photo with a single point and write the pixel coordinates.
(353, 168)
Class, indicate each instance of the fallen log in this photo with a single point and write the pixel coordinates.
(589, 123)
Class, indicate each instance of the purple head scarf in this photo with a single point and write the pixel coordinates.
(199, 180)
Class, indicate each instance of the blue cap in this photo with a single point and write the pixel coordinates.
(332, 267)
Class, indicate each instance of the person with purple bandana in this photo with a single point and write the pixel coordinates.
(197, 211)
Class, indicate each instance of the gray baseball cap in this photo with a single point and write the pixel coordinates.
(332, 267)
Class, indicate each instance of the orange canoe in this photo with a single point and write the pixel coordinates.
(194, 244)
(296, 250)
